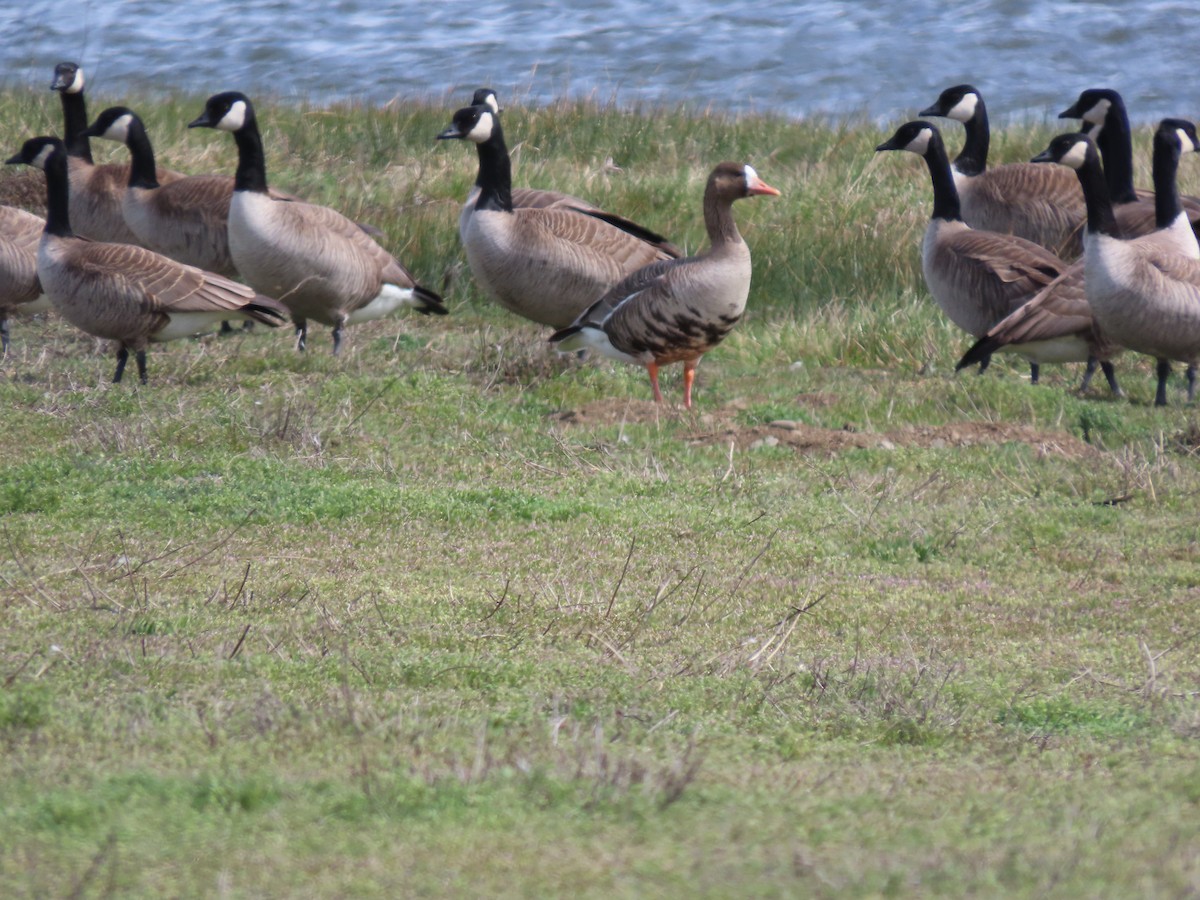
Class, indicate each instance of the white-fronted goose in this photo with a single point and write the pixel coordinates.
(320, 264)
(1144, 293)
(123, 292)
(96, 191)
(547, 265)
(20, 290)
(1106, 122)
(538, 198)
(1018, 198)
(977, 277)
(677, 310)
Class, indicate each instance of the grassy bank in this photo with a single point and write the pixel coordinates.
(450, 615)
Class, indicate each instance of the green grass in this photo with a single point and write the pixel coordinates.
(449, 615)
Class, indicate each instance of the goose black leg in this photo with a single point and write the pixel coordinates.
(3, 337)
(141, 364)
(226, 328)
(984, 363)
(1163, 369)
(122, 358)
(301, 332)
(1111, 374)
(1092, 365)
(338, 331)
(1034, 371)
(1190, 374)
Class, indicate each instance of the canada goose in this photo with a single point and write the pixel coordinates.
(677, 310)
(548, 265)
(96, 191)
(977, 277)
(319, 263)
(20, 289)
(536, 198)
(1107, 123)
(1055, 326)
(122, 292)
(1032, 202)
(1143, 292)
(186, 219)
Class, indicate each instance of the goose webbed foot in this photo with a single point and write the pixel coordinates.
(984, 363)
(226, 328)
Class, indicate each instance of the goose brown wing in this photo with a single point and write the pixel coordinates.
(1058, 310)
(167, 286)
(1002, 271)
(594, 238)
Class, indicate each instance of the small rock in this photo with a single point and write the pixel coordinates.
(768, 441)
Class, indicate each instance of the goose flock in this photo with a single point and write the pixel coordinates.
(1061, 259)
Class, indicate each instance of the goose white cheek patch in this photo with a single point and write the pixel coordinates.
(40, 160)
(964, 109)
(1185, 143)
(76, 82)
(235, 118)
(1097, 113)
(1075, 156)
(920, 143)
(482, 130)
(119, 129)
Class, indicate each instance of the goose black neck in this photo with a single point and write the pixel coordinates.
(495, 173)
(58, 218)
(945, 194)
(972, 159)
(142, 172)
(1100, 217)
(251, 172)
(75, 122)
(1116, 147)
(1166, 188)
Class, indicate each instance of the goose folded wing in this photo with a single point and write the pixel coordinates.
(166, 285)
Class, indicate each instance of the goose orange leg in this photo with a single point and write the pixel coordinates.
(689, 375)
(652, 368)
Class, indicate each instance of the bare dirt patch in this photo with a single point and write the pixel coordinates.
(718, 428)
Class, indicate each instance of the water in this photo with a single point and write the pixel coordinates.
(880, 59)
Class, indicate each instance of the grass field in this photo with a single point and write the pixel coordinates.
(451, 615)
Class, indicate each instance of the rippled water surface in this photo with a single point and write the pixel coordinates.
(883, 59)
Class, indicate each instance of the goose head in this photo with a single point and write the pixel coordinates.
(1178, 131)
(733, 181)
(915, 137)
(113, 124)
(958, 103)
(68, 78)
(1070, 150)
(37, 152)
(228, 111)
(487, 97)
(471, 123)
(1092, 107)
